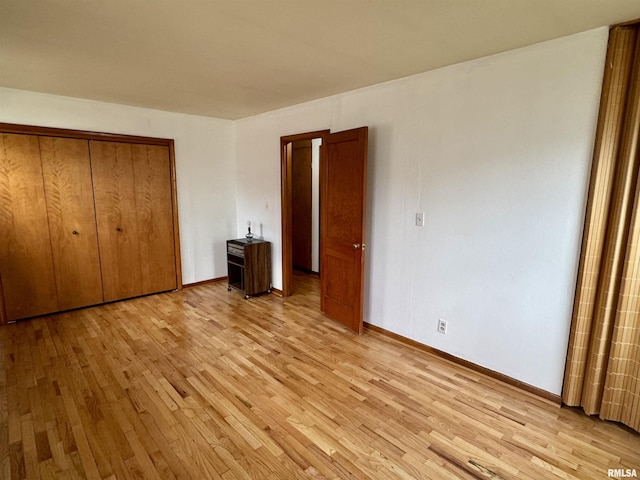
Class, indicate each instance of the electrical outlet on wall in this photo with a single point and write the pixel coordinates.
(442, 326)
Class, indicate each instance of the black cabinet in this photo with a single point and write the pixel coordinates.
(249, 266)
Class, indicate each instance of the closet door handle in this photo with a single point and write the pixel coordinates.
(75, 232)
(118, 229)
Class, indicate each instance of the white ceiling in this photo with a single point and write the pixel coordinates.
(235, 58)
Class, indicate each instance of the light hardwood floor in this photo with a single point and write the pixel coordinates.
(203, 384)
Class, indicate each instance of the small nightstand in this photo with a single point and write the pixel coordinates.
(249, 266)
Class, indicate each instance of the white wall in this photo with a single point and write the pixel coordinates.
(205, 170)
(497, 153)
(315, 204)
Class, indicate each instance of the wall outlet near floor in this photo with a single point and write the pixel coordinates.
(442, 326)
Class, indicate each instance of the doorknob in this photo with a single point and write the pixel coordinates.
(75, 232)
(356, 246)
(118, 229)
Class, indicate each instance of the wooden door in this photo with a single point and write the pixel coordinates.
(342, 218)
(132, 188)
(66, 171)
(154, 217)
(114, 192)
(26, 264)
(301, 203)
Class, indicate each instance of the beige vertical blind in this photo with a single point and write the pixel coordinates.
(603, 362)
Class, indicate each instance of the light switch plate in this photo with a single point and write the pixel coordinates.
(419, 219)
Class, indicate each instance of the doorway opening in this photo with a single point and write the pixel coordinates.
(342, 179)
(300, 169)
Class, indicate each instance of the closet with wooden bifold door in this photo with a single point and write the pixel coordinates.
(85, 218)
(26, 262)
(66, 171)
(132, 186)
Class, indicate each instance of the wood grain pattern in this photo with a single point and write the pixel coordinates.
(115, 200)
(257, 266)
(301, 204)
(134, 212)
(201, 384)
(81, 134)
(342, 230)
(111, 137)
(154, 217)
(3, 309)
(249, 265)
(56, 272)
(26, 264)
(66, 171)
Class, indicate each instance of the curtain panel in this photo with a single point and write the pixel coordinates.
(603, 362)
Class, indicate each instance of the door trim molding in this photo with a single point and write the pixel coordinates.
(115, 137)
(285, 203)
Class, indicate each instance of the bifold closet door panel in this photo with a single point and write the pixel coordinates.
(132, 188)
(26, 263)
(66, 169)
(115, 205)
(154, 216)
